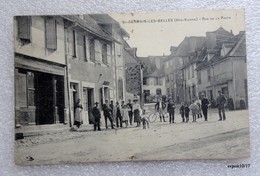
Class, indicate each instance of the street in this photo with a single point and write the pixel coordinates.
(162, 141)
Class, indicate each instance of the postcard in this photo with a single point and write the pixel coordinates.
(130, 87)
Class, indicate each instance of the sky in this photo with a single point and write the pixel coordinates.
(156, 38)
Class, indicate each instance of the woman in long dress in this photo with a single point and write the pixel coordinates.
(78, 108)
(137, 112)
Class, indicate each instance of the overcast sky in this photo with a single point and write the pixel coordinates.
(157, 38)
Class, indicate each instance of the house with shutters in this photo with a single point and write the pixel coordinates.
(40, 72)
(59, 59)
(224, 68)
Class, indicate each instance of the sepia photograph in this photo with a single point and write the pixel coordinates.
(130, 87)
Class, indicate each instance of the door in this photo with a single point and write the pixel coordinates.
(74, 91)
(88, 104)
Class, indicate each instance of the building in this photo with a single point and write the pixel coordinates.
(225, 69)
(40, 72)
(153, 78)
(134, 73)
(113, 28)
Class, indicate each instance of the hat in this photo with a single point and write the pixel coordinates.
(135, 99)
(96, 103)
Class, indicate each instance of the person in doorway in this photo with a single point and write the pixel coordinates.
(204, 106)
(130, 112)
(97, 116)
(118, 114)
(221, 101)
(137, 112)
(78, 109)
(170, 110)
(194, 108)
(182, 112)
(159, 107)
(108, 114)
(186, 112)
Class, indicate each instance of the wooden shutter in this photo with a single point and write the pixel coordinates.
(108, 55)
(24, 27)
(97, 51)
(51, 33)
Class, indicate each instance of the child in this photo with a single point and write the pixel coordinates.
(125, 115)
(182, 112)
(186, 112)
(195, 110)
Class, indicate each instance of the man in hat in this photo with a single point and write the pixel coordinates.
(97, 116)
(108, 114)
(130, 112)
(221, 101)
(204, 106)
(159, 107)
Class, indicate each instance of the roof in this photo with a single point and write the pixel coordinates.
(189, 45)
(106, 19)
(237, 43)
(89, 24)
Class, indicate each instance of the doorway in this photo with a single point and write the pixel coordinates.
(88, 101)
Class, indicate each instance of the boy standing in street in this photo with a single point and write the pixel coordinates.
(182, 110)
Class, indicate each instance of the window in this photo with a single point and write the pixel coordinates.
(158, 91)
(199, 77)
(74, 44)
(104, 53)
(188, 68)
(144, 81)
(24, 28)
(85, 99)
(109, 51)
(92, 50)
(85, 47)
(208, 73)
(50, 34)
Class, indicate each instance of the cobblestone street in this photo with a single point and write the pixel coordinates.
(213, 140)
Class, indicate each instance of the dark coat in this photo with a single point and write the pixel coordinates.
(204, 103)
(96, 113)
(171, 107)
(106, 110)
(186, 111)
(221, 100)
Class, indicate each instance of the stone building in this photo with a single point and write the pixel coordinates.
(153, 78)
(225, 69)
(40, 72)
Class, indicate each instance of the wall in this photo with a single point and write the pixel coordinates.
(36, 48)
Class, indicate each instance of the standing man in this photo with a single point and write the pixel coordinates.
(171, 109)
(118, 114)
(97, 116)
(221, 101)
(130, 112)
(107, 114)
(204, 106)
(159, 107)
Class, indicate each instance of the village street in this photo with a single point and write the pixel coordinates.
(212, 139)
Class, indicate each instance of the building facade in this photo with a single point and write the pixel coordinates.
(40, 71)
(226, 71)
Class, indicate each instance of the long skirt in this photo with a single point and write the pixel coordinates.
(137, 117)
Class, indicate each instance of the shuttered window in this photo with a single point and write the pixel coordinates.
(92, 50)
(51, 33)
(74, 44)
(108, 55)
(104, 53)
(24, 28)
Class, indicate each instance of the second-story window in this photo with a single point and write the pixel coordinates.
(208, 72)
(104, 53)
(193, 70)
(24, 28)
(74, 44)
(51, 33)
(92, 50)
(144, 81)
(199, 77)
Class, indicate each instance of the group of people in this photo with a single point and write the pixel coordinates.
(118, 114)
(195, 108)
(129, 113)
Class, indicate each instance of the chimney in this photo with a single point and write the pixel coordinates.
(231, 32)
